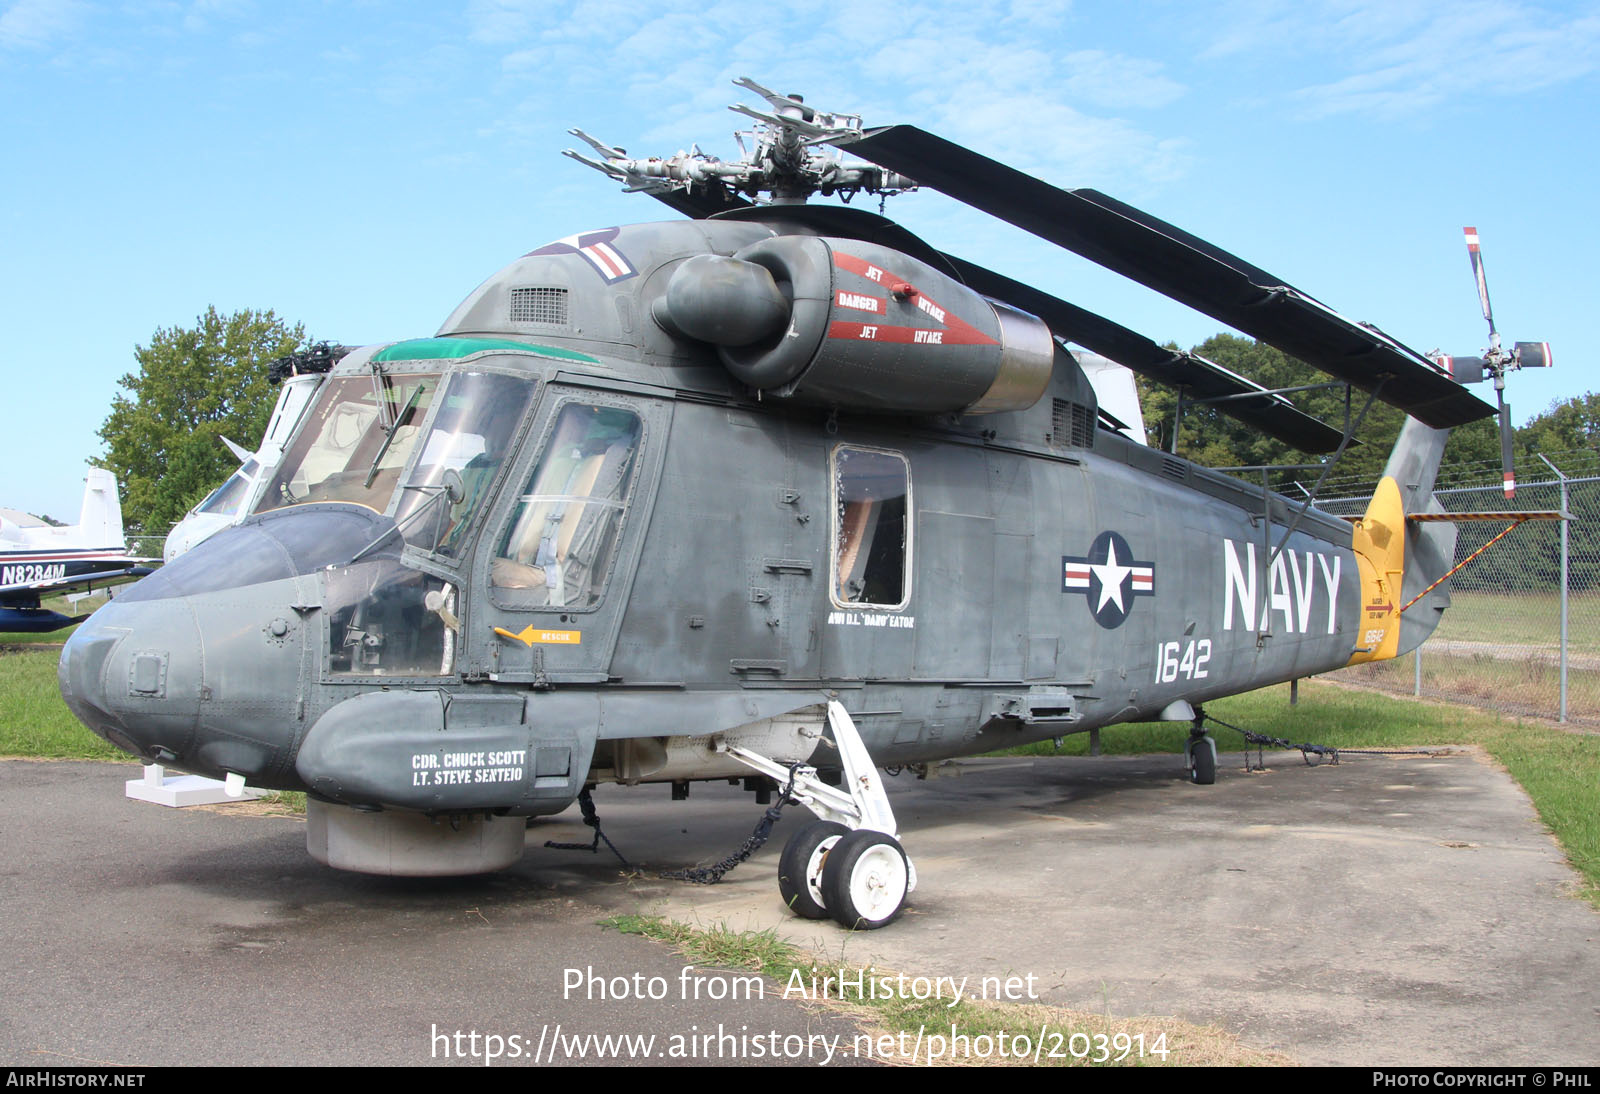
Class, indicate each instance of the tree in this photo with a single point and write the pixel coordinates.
(1572, 426)
(1212, 438)
(193, 386)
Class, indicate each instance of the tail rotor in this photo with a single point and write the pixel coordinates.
(1496, 361)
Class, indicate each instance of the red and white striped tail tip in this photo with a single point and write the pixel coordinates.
(1472, 238)
(1511, 485)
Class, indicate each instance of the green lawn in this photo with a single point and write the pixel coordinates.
(1529, 686)
(33, 719)
(1532, 619)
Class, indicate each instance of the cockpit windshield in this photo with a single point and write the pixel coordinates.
(356, 442)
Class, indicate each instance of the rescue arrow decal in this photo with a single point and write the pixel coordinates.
(528, 636)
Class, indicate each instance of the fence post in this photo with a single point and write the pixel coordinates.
(1564, 518)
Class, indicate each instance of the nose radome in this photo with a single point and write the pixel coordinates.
(81, 676)
(131, 673)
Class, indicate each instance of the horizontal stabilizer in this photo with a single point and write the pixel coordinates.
(1468, 518)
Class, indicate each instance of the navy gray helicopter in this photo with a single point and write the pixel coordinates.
(777, 492)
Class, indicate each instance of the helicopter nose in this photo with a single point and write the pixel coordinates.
(131, 673)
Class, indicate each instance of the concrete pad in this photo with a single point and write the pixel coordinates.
(1382, 911)
(138, 936)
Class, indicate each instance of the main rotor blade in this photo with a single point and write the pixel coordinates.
(1271, 414)
(1181, 266)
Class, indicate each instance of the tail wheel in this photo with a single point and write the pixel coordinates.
(865, 880)
(801, 864)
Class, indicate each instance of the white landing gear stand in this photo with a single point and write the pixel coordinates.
(177, 791)
(848, 864)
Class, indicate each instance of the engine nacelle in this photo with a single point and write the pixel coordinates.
(866, 328)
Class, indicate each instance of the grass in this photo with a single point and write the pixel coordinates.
(1530, 619)
(35, 722)
(1560, 770)
(900, 1028)
(33, 719)
(1530, 685)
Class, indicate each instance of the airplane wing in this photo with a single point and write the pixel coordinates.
(136, 568)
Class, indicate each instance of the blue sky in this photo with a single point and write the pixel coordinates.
(361, 166)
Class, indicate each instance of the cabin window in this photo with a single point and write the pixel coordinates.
(871, 532)
(563, 535)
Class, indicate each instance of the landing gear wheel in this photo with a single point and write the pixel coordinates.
(800, 867)
(1203, 761)
(865, 880)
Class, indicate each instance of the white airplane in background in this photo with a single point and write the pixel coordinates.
(38, 559)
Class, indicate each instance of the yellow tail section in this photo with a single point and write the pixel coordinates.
(1379, 541)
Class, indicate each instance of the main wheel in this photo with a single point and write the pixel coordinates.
(865, 879)
(1203, 761)
(800, 867)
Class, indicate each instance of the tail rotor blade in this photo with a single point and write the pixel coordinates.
(1476, 255)
(1506, 467)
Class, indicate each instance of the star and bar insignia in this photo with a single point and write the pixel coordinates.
(598, 249)
(1110, 578)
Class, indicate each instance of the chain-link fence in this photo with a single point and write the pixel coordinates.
(1522, 634)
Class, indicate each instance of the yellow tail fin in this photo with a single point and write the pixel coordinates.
(1379, 540)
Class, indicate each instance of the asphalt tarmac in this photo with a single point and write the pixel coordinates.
(1383, 911)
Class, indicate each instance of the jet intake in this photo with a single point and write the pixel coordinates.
(844, 323)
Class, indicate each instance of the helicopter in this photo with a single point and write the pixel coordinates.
(777, 492)
(297, 376)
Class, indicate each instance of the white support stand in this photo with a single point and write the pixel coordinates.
(181, 790)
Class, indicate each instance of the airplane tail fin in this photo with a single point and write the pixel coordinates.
(1399, 558)
(100, 521)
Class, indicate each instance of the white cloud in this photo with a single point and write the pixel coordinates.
(1402, 57)
(1116, 81)
(31, 24)
(991, 73)
(1463, 50)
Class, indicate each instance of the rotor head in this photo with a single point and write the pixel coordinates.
(788, 159)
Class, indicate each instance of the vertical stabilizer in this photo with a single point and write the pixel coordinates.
(1400, 558)
(100, 522)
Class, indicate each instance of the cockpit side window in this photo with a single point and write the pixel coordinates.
(562, 538)
(871, 532)
(467, 443)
